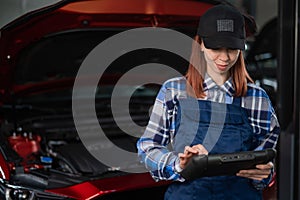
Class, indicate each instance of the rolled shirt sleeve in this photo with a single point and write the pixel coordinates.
(153, 145)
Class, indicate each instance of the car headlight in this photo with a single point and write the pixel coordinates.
(13, 192)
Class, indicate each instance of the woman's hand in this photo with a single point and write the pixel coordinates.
(189, 152)
(262, 171)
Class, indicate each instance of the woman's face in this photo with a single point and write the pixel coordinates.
(219, 61)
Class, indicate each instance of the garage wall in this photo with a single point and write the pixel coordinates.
(265, 11)
(11, 9)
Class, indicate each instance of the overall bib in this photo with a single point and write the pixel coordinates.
(220, 128)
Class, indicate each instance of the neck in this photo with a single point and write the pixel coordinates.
(219, 78)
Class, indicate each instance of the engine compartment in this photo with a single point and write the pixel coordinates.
(48, 152)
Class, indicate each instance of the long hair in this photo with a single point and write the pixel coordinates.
(197, 69)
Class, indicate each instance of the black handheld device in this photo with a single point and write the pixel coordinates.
(225, 164)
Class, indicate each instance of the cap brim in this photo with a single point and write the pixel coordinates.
(224, 42)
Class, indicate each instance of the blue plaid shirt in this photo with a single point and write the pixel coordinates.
(159, 134)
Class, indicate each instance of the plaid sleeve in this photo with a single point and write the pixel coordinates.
(262, 118)
(152, 146)
(265, 124)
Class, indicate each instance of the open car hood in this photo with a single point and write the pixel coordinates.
(19, 36)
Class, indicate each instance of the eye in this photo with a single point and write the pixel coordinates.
(233, 50)
(216, 49)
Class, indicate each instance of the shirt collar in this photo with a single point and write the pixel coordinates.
(227, 87)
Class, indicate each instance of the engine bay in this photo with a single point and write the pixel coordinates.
(45, 151)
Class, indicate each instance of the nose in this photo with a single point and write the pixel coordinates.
(224, 55)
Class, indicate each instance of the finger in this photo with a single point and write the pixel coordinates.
(181, 155)
(200, 149)
(184, 159)
(254, 177)
(188, 150)
(255, 172)
(269, 165)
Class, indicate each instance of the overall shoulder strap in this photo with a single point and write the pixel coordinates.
(237, 101)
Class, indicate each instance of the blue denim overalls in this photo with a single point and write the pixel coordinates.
(228, 131)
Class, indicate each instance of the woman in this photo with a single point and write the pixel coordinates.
(215, 108)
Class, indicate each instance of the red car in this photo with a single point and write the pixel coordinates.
(42, 153)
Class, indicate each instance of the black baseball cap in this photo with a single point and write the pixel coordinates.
(222, 26)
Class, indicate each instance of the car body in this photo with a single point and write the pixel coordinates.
(42, 156)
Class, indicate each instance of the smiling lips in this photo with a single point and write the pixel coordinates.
(222, 67)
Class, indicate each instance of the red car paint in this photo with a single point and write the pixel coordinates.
(5, 170)
(93, 189)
